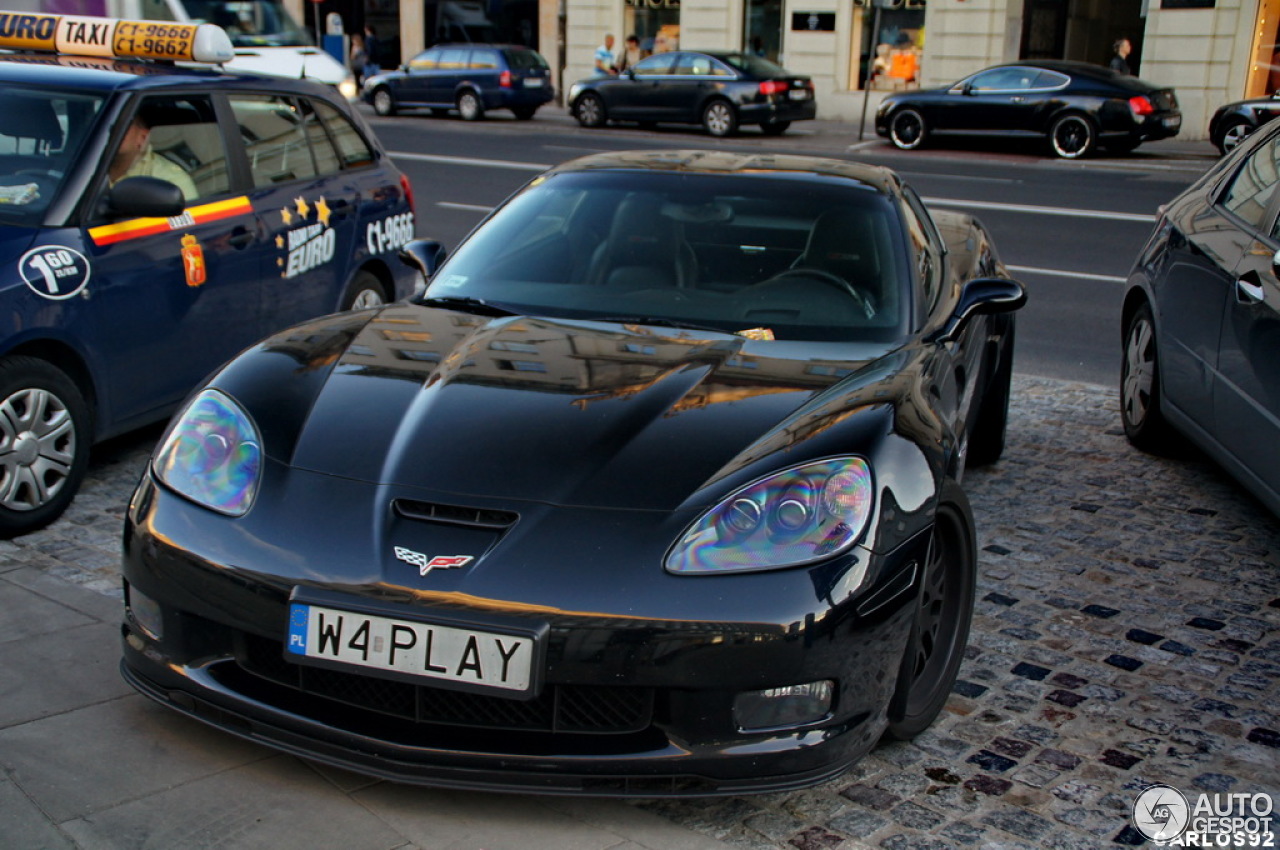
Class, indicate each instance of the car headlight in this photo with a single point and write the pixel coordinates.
(212, 455)
(798, 516)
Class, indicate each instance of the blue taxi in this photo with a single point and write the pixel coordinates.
(157, 218)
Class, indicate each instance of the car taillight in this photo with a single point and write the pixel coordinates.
(407, 188)
(769, 87)
(1140, 106)
(504, 79)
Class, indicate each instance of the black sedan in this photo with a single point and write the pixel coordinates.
(655, 491)
(1201, 321)
(1232, 123)
(720, 91)
(1076, 106)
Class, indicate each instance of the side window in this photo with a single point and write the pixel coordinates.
(274, 133)
(425, 61)
(690, 64)
(453, 59)
(484, 60)
(654, 65)
(322, 148)
(175, 139)
(353, 150)
(925, 245)
(1250, 191)
(1004, 79)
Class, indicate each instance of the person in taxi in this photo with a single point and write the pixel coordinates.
(136, 158)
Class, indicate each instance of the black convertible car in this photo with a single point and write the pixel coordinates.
(655, 491)
(1075, 105)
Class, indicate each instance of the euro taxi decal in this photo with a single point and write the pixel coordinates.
(54, 271)
(389, 234)
(309, 245)
(121, 231)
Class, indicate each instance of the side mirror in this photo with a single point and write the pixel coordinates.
(144, 197)
(982, 296)
(425, 255)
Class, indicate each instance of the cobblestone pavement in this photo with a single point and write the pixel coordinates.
(1127, 633)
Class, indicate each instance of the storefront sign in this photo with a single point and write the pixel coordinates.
(652, 4)
(813, 21)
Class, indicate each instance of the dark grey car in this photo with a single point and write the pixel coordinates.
(1201, 320)
(472, 78)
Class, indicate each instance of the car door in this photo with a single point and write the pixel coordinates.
(415, 86)
(993, 100)
(1246, 393)
(307, 205)
(635, 95)
(444, 78)
(177, 296)
(694, 78)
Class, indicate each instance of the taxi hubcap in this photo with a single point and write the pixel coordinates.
(37, 447)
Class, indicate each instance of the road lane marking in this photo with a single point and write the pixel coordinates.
(1031, 209)
(1105, 278)
(464, 160)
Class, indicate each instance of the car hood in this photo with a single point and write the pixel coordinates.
(551, 410)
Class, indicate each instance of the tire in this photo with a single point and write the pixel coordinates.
(590, 110)
(1073, 136)
(774, 128)
(1233, 134)
(364, 291)
(719, 118)
(383, 102)
(45, 433)
(470, 106)
(986, 440)
(1144, 423)
(940, 628)
(524, 113)
(907, 129)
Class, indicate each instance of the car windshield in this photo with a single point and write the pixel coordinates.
(767, 256)
(753, 65)
(41, 134)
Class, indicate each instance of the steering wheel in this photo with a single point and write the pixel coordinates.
(831, 279)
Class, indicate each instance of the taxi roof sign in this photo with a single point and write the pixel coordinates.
(115, 38)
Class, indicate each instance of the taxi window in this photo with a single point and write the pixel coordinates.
(275, 138)
(182, 145)
(353, 150)
(41, 133)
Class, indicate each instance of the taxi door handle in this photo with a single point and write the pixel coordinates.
(240, 238)
(340, 209)
(1248, 292)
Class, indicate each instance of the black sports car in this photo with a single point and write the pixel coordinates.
(1076, 106)
(1233, 122)
(654, 491)
(1201, 321)
(719, 90)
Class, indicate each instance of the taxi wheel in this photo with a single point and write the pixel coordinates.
(940, 631)
(364, 291)
(44, 443)
(383, 103)
(469, 106)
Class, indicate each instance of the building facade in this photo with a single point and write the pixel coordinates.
(1210, 51)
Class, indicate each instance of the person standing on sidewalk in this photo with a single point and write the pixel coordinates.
(604, 66)
(1120, 61)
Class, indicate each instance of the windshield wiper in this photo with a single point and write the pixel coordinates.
(467, 304)
(659, 321)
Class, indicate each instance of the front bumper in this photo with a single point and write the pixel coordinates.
(626, 706)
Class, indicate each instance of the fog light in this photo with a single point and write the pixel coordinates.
(143, 612)
(778, 708)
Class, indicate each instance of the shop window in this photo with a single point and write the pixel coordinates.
(890, 43)
(655, 24)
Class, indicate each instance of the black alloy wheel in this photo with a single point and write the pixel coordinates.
(907, 129)
(940, 630)
(1235, 132)
(1072, 137)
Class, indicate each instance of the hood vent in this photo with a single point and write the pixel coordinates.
(454, 515)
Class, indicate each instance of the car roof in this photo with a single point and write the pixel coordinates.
(105, 75)
(879, 178)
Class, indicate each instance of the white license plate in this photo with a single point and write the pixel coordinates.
(798, 94)
(429, 650)
(534, 82)
(1172, 121)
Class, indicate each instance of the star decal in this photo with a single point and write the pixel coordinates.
(301, 205)
(286, 215)
(279, 241)
(322, 211)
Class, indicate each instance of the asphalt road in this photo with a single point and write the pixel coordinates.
(1069, 231)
